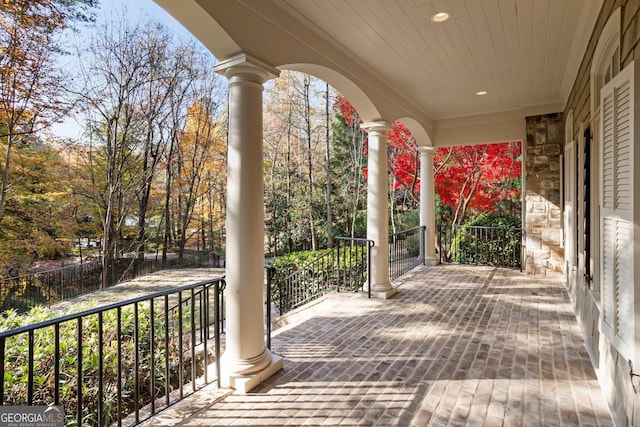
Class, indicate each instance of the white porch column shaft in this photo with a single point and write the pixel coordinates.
(427, 203)
(378, 208)
(245, 352)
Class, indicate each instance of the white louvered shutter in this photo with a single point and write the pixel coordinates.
(616, 211)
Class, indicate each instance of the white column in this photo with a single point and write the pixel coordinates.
(378, 208)
(246, 361)
(428, 204)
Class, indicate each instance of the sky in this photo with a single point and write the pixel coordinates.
(135, 10)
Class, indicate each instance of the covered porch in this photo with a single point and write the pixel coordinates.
(457, 345)
(451, 83)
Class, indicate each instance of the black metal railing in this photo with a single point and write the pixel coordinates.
(51, 286)
(344, 267)
(353, 258)
(270, 273)
(406, 251)
(127, 359)
(203, 318)
(478, 245)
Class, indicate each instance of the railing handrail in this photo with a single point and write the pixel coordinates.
(307, 262)
(448, 243)
(501, 227)
(410, 230)
(333, 256)
(357, 239)
(370, 244)
(74, 316)
(402, 256)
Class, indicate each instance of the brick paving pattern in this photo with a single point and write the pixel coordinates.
(457, 346)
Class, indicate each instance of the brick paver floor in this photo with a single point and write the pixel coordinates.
(456, 346)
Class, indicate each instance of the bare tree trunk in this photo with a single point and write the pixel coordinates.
(392, 206)
(357, 148)
(287, 217)
(310, 181)
(328, 171)
(167, 199)
(5, 176)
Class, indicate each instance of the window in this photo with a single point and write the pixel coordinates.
(604, 67)
(617, 210)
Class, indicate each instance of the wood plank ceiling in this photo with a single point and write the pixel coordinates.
(523, 53)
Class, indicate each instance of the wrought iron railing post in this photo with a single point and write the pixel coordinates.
(218, 319)
(223, 286)
(2, 355)
(30, 369)
(270, 272)
(370, 244)
(522, 243)
(423, 246)
(439, 231)
(119, 365)
(100, 368)
(167, 372)
(79, 373)
(338, 270)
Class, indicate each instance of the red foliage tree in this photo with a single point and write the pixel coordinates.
(403, 159)
(403, 155)
(472, 178)
(477, 177)
(347, 110)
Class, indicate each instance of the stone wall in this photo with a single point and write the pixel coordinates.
(542, 209)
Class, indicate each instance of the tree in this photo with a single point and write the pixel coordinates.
(124, 65)
(292, 114)
(172, 73)
(31, 86)
(348, 163)
(328, 169)
(402, 162)
(199, 154)
(478, 178)
(38, 219)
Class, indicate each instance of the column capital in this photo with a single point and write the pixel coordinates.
(379, 126)
(423, 149)
(249, 67)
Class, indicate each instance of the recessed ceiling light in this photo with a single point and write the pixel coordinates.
(481, 92)
(440, 17)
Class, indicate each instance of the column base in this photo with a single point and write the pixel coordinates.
(247, 382)
(383, 294)
(380, 291)
(431, 260)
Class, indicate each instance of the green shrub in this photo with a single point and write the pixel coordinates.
(498, 247)
(408, 220)
(301, 277)
(17, 360)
